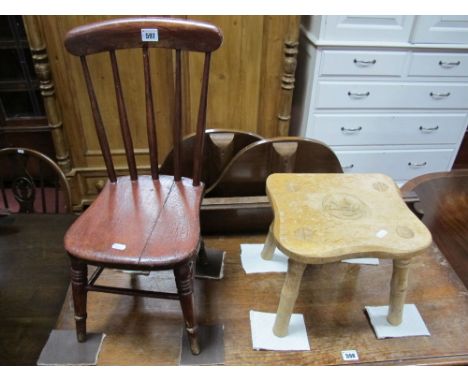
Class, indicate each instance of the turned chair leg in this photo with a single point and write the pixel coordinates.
(184, 276)
(288, 297)
(79, 281)
(398, 287)
(270, 245)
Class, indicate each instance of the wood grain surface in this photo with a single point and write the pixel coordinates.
(444, 201)
(144, 216)
(322, 218)
(244, 90)
(332, 298)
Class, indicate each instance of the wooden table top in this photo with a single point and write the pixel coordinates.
(34, 277)
(322, 218)
(143, 331)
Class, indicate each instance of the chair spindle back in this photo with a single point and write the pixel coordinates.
(180, 35)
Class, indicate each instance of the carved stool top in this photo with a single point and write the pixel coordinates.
(321, 218)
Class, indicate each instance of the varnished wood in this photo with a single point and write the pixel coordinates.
(40, 58)
(249, 64)
(142, 216)
(220, 147)
(126, 33)
(126, 136)
(461, 161)
(101, 133)
(79, 281)
(142, 222)
(150, 120)
(178, 118)
(184, 274)
(140, 333)
(287, 83)
(444, 202)
(247, 172)
(201, 123)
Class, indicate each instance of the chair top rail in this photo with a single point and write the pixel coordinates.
(130, 33)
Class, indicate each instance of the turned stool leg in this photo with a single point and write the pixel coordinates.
(79, 282)
(270, 245)
(288, 297)
(398, 287)
(184, 276)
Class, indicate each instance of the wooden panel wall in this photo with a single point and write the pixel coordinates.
(245, 91)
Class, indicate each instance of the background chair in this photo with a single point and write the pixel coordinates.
(247, 172)
(142, 222)
(220, 147)
(31, 182)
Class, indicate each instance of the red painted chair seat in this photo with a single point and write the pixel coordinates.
(141, 224)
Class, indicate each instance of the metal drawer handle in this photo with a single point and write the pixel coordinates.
(364, 62)
(347, 167)
(449, 64)
(416, 165)
(439, 95)
(428, 129)
(350, 129)
(366, 94)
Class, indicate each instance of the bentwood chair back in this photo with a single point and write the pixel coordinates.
(31, 182)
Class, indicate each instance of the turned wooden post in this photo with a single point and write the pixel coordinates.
(398, 287)
(288, 297)
(79, 282)
(184, 276)
(46, 84)
(287, 85)
(270, 245)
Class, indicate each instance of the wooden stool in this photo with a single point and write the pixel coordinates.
(325, 218)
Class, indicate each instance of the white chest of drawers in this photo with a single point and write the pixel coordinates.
(391, 106)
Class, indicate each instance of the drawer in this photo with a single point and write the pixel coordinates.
(439, 65)
(446, 29)
(401, 95)
(393, 129)
(361, 63)
(399, 164)
(364, 27)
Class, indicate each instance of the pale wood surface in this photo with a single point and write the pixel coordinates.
(328, 217)
(288, 297)
(398, 288)
(332, 298)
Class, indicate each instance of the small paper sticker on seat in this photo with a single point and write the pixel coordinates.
(382, 233)
(119, 246)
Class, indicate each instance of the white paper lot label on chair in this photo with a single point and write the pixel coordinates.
(149, 35)
(119, 246)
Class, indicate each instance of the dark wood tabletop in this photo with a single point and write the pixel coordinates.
(444, 201)
(332, 299)
(34, 276)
